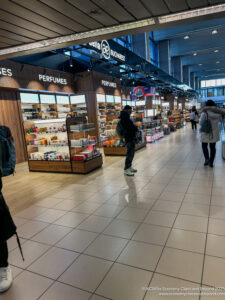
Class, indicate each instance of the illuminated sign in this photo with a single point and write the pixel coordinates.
(47, 78)
(6, 72)
(106, 51)
(108, 83)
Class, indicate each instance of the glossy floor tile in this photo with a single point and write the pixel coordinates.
(104, 236)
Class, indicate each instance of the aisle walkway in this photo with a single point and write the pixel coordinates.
(106, 236)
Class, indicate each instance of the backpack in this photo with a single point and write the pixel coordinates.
(7, 151)
(206, 126)
(119, 130)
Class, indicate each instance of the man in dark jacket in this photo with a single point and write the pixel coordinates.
(130, 131)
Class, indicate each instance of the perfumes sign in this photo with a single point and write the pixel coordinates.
(6, 72)
(47, 78)
(107, 51)
(109, 83)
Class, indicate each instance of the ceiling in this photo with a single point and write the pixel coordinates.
(36, 26)
(210, 48)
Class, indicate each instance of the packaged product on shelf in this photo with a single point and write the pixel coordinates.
(87, 154)
(79, 157)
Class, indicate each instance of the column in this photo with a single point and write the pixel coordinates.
(182, 100)
(170, 98)
(192, 80)
(196, 83)
(164, 56)
(177, 68)
(149, 102)
(139, 44)
(186, 75)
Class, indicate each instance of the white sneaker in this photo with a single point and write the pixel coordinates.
(128, 172)
(6, 279)
(133, 170)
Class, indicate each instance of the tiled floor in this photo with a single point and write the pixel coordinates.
(106, 236)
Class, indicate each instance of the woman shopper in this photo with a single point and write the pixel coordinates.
(215, 115)
(194, 118)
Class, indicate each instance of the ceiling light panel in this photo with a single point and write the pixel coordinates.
(192, 14)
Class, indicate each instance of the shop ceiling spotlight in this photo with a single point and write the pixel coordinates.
(195, 53)
(186, 37)
(215, 31)
(200, 64)
(216, 51)
(217, 62)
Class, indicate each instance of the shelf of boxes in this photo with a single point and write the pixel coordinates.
(79, 106)
(84, 154)
(47, 142)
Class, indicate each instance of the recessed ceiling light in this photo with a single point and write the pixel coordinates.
(217, 62)
(200, 64)
(216, 51)
(186, 37)
(215, 31)
(195, 53)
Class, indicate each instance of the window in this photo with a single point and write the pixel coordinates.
(203, 83)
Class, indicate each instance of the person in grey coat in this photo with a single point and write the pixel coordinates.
(215, 115)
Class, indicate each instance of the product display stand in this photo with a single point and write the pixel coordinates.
(83, 161)
(47, 145)
(121, 151)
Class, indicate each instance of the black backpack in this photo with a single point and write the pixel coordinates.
(206, 125)
(120, 130)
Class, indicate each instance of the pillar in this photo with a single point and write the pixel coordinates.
(170, 98)
(177, 68)
(182, 100)
(139, 44)
(186, 75)
(164, 56)
(149, 102)
(196, 83)
(192, 80)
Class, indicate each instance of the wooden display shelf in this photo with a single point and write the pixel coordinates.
(121, 151)
(84, 167)
(50, 166)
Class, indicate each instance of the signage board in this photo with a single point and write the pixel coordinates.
(77, 99)
(108, 52)
(62, 99)
(29, 98)
(47, 99)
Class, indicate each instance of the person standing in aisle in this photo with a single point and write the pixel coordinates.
(194, 118)
(129, 134)
(210, 119)
(7, 226)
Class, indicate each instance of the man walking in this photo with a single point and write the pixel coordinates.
(129, 134)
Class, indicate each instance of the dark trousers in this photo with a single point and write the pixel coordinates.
(194, 125)
(3, 255)
(3, 245)
(130, 154)
(212, 155)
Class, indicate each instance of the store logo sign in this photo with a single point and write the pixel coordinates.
(106, 51)
(108, 83)
(6, 72)
(47, 78)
